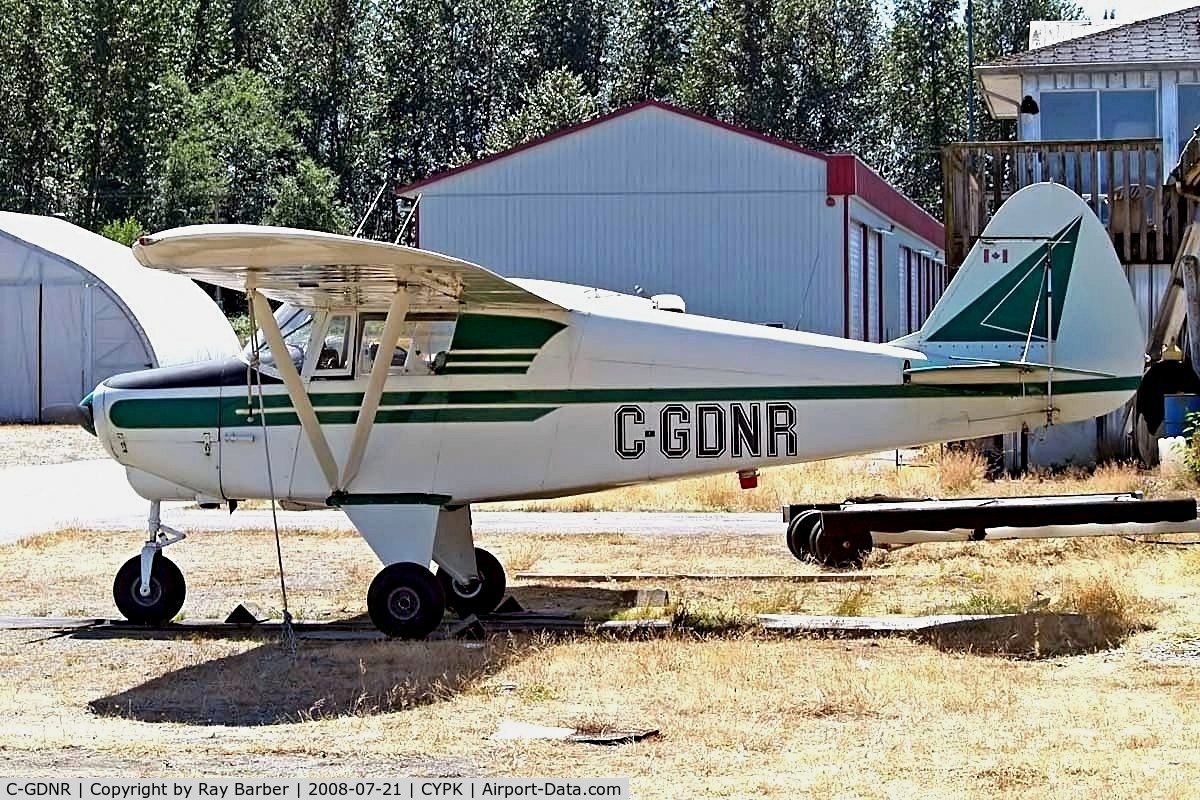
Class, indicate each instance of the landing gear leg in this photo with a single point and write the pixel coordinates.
(149, 589)
(472, 578)
(405, 599)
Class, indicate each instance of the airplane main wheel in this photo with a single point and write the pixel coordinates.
(406, 601)
(841, 550)
(167, 591)
(480, 596)
(798, 532)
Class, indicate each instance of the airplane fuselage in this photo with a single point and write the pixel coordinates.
(570, 401)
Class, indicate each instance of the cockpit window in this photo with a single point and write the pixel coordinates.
(296, 326)
(334, 357)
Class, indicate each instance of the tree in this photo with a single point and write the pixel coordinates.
(726, 75)
(563, 34)
(408, 132)
(926, 84)
(557, 101)
(1001, 29)
(126, 231)
(308, 200)
(805, 70)
(32, 80)
(645, 52)
(320, 74)
(233, 147)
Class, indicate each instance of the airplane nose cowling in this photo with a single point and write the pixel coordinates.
(87, 418)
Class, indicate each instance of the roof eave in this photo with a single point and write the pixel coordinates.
(1088, 66)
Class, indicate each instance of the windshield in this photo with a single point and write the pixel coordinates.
(296, 326)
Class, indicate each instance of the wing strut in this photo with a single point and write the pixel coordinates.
(295, 387)
(374, 392)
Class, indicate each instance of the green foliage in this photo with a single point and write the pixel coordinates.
(233, 146)
(1191, 445)
(180, 111)
(241, 327)
(126, 231)
(558, 100)
(308, 200)
(646, 49)
(928, 87)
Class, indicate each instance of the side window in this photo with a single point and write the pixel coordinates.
(372, 332)
(333, 359)
(422, 339)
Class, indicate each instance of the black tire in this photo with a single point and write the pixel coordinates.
(482, 596)
(841, 551)
(798, 532)
(405, 601)
(167, 591)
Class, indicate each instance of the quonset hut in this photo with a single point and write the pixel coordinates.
(76, 308)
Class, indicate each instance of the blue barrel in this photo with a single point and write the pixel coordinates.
(1177, 408)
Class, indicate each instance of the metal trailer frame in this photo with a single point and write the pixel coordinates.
(842, 534)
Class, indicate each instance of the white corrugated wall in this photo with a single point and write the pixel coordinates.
(62, 333)
(653, 199)
(898, 295)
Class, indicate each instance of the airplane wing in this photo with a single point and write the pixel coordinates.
(325, 270)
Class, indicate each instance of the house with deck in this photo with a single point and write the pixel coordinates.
(1107, 112)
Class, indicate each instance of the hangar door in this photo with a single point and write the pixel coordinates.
(65, 341)
(19, 353)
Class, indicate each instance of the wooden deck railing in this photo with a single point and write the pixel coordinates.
(1121, 179)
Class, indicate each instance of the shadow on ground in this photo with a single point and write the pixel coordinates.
(268, 685)
(1028, 635)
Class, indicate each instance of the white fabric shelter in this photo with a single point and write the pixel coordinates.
(76, 308)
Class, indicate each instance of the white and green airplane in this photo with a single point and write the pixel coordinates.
(402, 386)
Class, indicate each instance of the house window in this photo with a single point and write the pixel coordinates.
(1189, 111)
(1129, 114)
(1068, 115)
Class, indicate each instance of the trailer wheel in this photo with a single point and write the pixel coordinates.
(798, 532)
(841, 550)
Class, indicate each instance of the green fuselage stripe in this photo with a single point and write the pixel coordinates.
(524, 405)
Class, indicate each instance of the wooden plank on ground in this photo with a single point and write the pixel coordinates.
(626, 577)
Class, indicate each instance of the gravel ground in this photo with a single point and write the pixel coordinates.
(26, 445)
(1183, 652)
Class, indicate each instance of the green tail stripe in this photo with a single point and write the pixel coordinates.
(1006, 311)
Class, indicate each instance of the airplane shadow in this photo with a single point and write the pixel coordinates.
(266, 685)
(351, 676)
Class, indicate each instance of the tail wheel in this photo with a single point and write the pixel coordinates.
(165, 598)
(798, 533)
(480, 596)
(840, 550)
(406, 601)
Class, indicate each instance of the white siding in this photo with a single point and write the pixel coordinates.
(1149, 282)
(896, 299)
(1164, 81)
(737, 226)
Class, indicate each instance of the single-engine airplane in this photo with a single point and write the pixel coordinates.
(402, 386)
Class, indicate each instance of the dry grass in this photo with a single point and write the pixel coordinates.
(742, 714)
(937, 472)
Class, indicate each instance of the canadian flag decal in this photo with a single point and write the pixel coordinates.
(990, 255)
